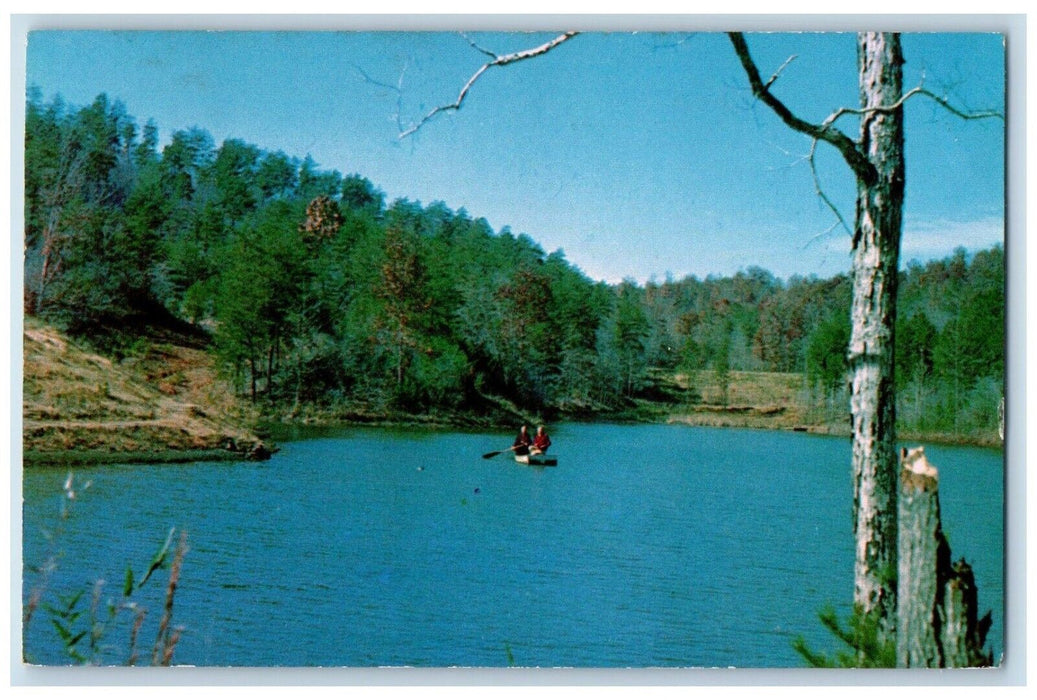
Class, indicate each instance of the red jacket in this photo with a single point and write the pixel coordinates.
(521, 444)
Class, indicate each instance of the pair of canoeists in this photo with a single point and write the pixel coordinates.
(527, 451)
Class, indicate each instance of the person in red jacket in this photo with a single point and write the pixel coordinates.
(541, 442)
(522, 442)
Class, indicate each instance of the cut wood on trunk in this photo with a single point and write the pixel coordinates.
(937, 625)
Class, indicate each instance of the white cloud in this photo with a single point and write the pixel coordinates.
(933, 239)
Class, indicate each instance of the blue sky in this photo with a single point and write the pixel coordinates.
(639, 154)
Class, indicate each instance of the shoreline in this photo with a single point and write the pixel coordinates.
(73, 457)
(273, 429)
(168, 403)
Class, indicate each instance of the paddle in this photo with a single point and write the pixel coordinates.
(494, 454)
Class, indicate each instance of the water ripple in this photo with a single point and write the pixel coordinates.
(712, 553)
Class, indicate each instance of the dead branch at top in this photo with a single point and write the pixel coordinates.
(824, 131)
(471, 42)
(886, 109)
(840, 220)
(778, 72)
(496, 60)
(915, 91)
(398, 89)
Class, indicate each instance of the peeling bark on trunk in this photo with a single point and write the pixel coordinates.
(923, 561)
(964, 633)
(876, 252)
(937, 625)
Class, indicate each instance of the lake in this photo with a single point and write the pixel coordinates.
(648, 546)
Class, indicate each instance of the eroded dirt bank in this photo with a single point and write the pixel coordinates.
(165, 402)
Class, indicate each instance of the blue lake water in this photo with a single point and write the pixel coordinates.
(648, 546)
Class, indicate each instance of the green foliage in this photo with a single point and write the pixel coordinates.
(81, 178)
(722, 361)
(826, 352)
(64, 618)
(865, 644)
(159, 560)
(83, 630)
(359, 195)
(316, 290)
(630, 332)
(916, 337)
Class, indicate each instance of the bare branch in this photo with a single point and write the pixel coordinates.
(371, 80)
(778, 72)
(824, 197)
(821, 235)
(824, 132)
(497, 61)
(471, 42)
(818, 132)
(399, 98)
(674, 44)
(398, 89)
(945, 103)
(919, 90)
(794, 158)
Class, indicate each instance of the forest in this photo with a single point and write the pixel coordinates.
(313, 290)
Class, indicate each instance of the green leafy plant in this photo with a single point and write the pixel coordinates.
(867, 646)
(64, 617)
(83, 632)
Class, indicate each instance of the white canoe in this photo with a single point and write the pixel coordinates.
(538, 460)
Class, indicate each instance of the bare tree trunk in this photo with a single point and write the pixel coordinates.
(877, 160)
(964, 633)
(937, 625)
(876, 253)
(923, 553)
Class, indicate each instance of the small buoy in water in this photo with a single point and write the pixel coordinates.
(477, 489)
(421, 469)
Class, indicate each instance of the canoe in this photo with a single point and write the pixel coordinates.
(538, 460)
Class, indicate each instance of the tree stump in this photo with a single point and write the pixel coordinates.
(937, 625)
(963, 634)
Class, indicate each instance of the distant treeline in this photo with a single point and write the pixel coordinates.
(316, 290)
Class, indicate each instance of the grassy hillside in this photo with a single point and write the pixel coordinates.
(771, 400)
(754, 399)
(163, 402)
(776, 401)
